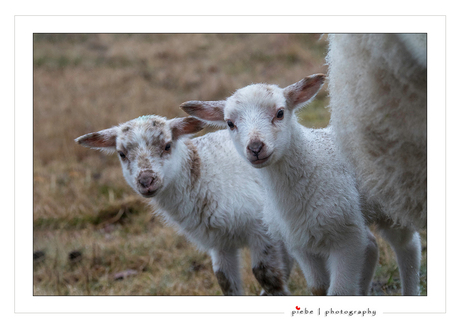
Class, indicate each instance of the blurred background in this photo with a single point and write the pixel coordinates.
(92, 234)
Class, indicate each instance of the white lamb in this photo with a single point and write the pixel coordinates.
(378, 93)
(311, 199)
(202, 187)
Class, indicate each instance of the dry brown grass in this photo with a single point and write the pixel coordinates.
(88, 82)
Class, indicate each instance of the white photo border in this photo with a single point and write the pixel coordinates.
(25, 26)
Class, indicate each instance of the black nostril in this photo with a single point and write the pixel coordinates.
(145, 180)
(255, 147)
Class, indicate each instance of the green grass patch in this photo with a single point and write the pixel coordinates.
(314, 114)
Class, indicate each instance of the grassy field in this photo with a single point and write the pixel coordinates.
(92, 234)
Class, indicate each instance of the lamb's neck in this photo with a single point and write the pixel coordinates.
(296, 166)
(296, 151)
(180, 194)
(291, 180)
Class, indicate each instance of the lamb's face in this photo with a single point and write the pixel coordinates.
(259, 117)
(149, 149)
(258, 122)
(145, 149)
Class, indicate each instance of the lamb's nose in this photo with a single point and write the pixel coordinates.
(255, 147)
(145, 180)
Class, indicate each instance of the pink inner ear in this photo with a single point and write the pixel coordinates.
(192, 125)
(99, 140)
(209, 111)
(303, 90)
(184, 126)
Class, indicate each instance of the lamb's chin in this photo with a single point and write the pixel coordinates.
(149, 193)
(261, 163)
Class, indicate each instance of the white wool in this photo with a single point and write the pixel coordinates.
(204, 190)
(311, 198)
(377, 85)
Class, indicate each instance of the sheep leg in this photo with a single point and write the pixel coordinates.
(225, 264)
(408, 249)
(345, 265)
(288, 261)
(370, 261)
(314, 269)
(270, 267)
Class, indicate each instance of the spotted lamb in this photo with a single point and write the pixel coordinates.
(204, 189)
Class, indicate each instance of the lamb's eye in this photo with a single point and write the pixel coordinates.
(280, 114)
(122, 155)
(168, 147)
(230, 124)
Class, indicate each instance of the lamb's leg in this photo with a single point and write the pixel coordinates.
(370, 261)
(288, 261)
(346, 265)
(315, 271)
(225, 264)
(408, 249)
(269, 266)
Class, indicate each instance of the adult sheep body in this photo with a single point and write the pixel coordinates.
(378, 101)
(377, 85)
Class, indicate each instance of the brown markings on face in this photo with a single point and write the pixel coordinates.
(269, 90)
(143, 162)
(126, 159)
(224, 283)
(157, 123)
(122, 147)
(156, 137)
(124, 137)
(126, 131)
(130, 168)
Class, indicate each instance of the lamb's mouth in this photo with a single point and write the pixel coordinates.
(260, 161)
(149, 193)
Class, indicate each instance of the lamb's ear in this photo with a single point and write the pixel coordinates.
(212, 112)
(104, 140)
(185, 126)
(301, 92)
